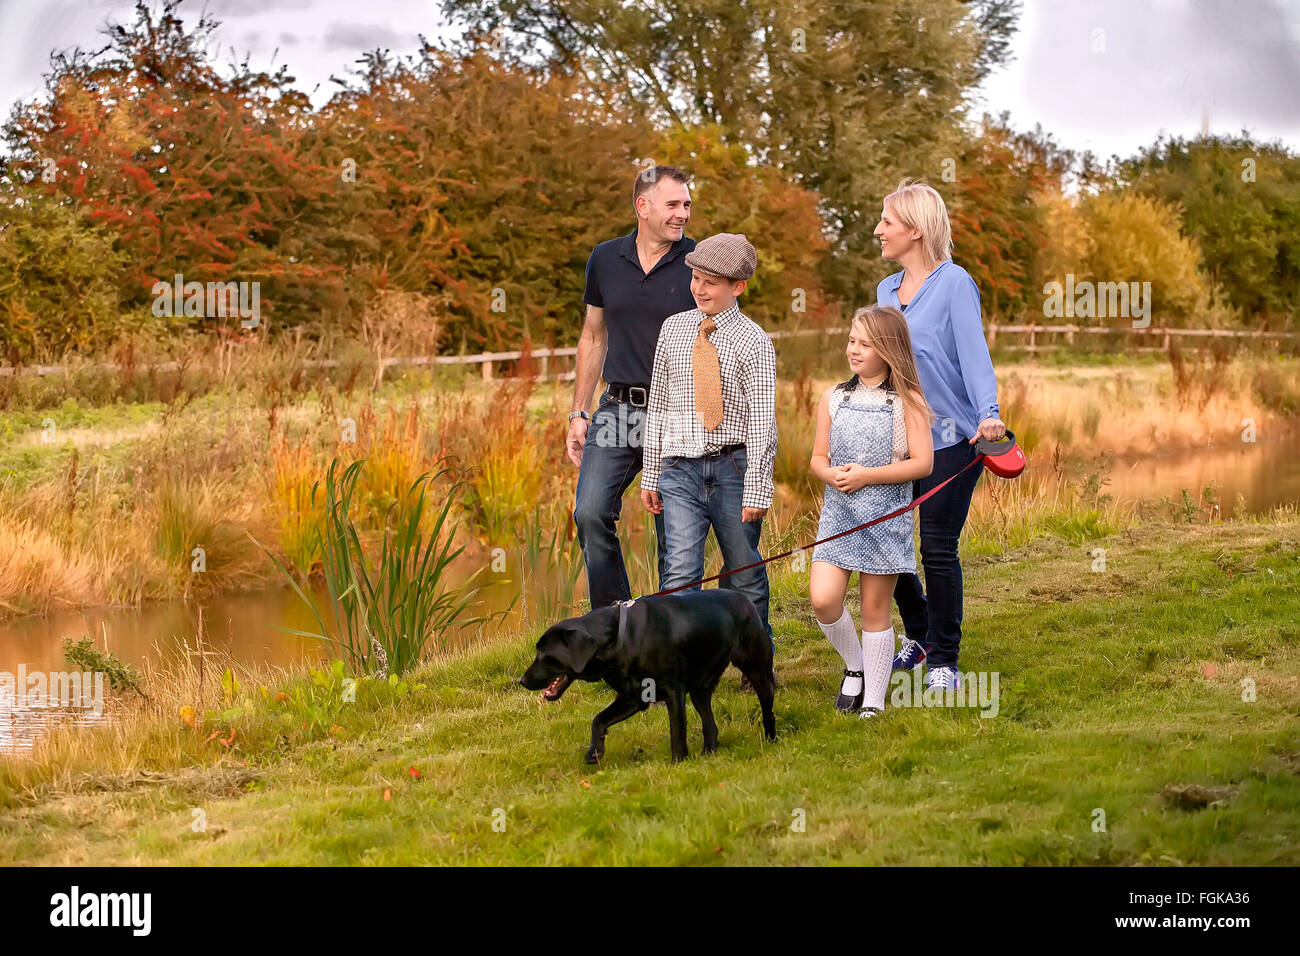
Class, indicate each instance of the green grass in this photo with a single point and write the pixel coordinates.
(1114, 687)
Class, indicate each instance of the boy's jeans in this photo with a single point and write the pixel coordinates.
(697, 493)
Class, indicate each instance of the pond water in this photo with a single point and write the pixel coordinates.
(1264, 474)
(247, 627)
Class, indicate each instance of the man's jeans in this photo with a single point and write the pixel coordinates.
(697, 493)
(937, 621)
(611, 460)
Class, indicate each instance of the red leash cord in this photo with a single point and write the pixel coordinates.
(916, 502)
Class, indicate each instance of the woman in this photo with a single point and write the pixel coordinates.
(942, 306)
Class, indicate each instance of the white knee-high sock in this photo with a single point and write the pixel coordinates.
(877, 658)
(843, 635)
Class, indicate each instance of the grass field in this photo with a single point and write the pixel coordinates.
(1121, 693)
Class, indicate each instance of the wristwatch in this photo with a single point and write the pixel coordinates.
(582, 412)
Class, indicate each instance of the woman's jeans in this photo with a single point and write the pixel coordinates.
(611, 460)
(697, 493)
(936, 621)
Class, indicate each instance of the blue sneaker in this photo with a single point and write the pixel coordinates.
(945, 678)
(909, 655)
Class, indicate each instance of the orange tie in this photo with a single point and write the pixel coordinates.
(708, 377)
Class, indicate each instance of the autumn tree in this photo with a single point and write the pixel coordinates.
(781, 219)
(1001, 181)
(1240, 200)
(189, 171)
(485, 181)
(57, 288)
(843, 98)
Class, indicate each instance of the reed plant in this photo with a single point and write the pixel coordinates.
(386, 614)
(39, 572)
(551, 563)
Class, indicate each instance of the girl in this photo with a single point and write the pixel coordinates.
(873, 440)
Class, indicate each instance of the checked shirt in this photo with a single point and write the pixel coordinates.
(747, 363)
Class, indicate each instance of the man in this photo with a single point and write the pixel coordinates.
(634, 282)
(710, 434)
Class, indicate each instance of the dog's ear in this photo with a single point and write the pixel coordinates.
(582, 648)
(569, 645)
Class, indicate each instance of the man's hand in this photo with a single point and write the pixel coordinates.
(849, 478)
(990, 428)
(577, 439)
(652, 502)
(752, 514)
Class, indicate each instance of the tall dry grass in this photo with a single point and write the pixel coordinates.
(1129, 411)
(1009, 514)
(504, 459)
(199, 535)
(292, 473)
(39, 573)
(118, 520)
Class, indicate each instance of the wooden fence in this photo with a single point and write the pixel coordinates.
(1165, 336)
(993, 332)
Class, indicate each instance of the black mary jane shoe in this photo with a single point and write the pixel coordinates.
(848, 704)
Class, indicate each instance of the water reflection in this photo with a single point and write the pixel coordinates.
(34, 702)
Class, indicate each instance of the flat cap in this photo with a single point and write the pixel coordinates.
(727, 254)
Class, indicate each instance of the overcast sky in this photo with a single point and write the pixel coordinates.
(1105, 75)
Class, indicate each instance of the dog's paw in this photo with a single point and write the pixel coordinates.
(593, 756)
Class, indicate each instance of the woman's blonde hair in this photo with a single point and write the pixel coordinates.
(885, 329)
(918, 206)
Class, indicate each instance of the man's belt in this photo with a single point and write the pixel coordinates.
(632, 394)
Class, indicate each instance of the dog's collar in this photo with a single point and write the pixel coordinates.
(622, 617)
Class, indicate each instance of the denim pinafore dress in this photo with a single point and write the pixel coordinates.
(867, 427)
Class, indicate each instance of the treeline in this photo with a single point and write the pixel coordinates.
(451, 196)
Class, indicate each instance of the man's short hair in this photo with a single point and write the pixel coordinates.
(646, 179)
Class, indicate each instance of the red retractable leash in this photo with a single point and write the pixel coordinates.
(1003, 458)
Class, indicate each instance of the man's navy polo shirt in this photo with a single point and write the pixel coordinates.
(635, 303)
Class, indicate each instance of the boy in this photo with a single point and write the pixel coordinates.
(710, 425)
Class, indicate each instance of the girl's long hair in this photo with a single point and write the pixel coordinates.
(886, 329)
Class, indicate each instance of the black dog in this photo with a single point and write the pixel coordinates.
(673, 645)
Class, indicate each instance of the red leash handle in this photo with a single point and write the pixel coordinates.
(916, 502)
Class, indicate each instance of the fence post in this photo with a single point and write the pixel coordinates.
(487, 371)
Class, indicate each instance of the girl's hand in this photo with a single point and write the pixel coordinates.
(849, 478)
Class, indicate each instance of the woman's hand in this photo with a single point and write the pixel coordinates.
(990, 428)
(849, 478)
